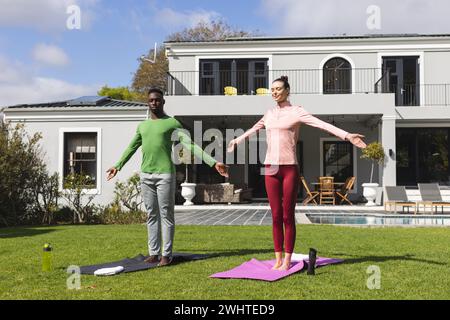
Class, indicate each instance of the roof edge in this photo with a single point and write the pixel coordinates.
(332, 37)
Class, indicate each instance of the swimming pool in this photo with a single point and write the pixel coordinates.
(379, 219)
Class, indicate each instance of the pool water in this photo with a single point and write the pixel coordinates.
(355, 219)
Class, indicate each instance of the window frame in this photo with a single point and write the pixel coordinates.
(352, 71)
(98, 131)
(339, 86)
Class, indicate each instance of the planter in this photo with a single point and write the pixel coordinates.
(188, 192)
(370, 193)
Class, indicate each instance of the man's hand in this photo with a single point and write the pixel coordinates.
(111, 173)
(221, 168)
(232, 145)
(356, 139)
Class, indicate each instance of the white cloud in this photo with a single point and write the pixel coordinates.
(44, 15)
(170, 19)
(333, 17)
(19, 85)
(50, 55)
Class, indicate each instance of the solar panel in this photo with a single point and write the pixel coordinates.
(86, 100)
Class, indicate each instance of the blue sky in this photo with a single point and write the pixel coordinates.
(42, 60)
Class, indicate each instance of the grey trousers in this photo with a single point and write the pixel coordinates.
(158, 193)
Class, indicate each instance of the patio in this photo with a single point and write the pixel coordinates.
(259, 213)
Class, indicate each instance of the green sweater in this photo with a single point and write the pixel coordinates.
(155, 137)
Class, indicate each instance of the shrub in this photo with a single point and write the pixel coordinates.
(127, 194)
(114, 214)
(125, 209)
(46, 193)
(80, 200)
(374, 152)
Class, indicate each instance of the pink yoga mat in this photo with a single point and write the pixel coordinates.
(262, 270)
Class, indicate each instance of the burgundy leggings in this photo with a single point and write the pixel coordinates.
(282, 187)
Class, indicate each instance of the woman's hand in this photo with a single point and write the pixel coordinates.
(232, 145)
(356, 139)
(221, 168)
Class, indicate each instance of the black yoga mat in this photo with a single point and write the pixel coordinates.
(138, 264)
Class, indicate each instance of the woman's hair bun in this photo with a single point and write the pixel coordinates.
(284, 78)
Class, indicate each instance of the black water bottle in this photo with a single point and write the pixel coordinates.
(312, 262)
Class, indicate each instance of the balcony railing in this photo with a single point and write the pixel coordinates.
(307, 81)
(415, 94)
(246, 82)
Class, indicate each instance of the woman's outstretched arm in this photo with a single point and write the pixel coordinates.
(233, 143)
(307, 118)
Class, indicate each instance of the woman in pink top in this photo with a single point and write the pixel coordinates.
(282, 125)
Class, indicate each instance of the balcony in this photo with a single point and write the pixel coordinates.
(306, 82)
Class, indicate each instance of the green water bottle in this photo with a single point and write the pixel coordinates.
(47, 264)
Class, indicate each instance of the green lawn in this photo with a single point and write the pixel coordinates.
(414, 263)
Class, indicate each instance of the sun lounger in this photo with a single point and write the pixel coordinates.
(431, 195)
(396, 196)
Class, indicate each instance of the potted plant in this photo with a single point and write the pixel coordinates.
(187, 188)
(375, 153)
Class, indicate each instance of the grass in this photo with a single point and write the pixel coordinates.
(414, 263)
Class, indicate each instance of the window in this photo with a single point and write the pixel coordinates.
(246, 75)
(337, 76)
(258, 75)
(422, 156)
(337, 160)
(209, 79)
(80, 156)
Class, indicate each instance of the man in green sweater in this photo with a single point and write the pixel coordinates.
(158, 173)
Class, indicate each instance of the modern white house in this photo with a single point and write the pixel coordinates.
(394, 89)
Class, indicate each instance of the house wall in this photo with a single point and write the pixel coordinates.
(437, 67)
(258, 105)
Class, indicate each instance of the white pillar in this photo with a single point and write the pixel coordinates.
(388, 171)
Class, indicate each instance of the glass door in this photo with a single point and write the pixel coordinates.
(402, 79)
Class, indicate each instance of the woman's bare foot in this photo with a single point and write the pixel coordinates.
(277, 265)
(279, 261)
(286, 263)
(285, 266)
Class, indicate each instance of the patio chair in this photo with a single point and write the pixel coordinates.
(311, 195)
(262, 91)
(431, 195)
(396, 195)
(326, 190)
(343, 193)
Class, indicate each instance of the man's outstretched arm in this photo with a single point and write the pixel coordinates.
(135, 143)
(221, 168)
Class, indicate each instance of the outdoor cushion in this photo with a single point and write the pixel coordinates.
(137, 263)
(108, 271)
(262, 270)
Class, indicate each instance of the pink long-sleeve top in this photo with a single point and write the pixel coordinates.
(282, 125)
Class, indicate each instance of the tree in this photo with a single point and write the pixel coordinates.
(155, 74)
(151, 74)
(27, 193)
(216, 30)
(119, 93)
